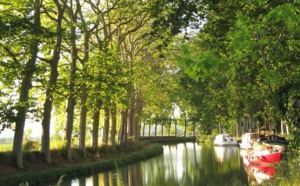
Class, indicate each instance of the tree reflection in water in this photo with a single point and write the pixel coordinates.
(181, 164)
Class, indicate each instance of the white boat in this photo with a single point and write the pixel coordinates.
(225, 140)
(248, 140)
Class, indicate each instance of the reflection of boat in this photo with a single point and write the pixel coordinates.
(225, 152)
(220, 152)
(260, 173)
(225, 140)
(264, 157)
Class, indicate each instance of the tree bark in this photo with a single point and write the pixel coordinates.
(51, 84)
(82, 125)
(123, 127)
(185, 125)
(137, 113)
(113, 127)
(130, 120)
(149, 131)
(175, 127)
(106, 127)
(155, 129)
(144, 128)
(72, 73)
(96, 120)
(251, 118)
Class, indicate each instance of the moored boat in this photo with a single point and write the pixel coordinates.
(273, 139)
(264, 157)
(248, 140)
(225, 140)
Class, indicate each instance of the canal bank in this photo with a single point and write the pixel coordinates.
(34, 175)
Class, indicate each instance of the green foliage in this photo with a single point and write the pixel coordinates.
(207, 139)
(58, 144)
(287, 172)
(31, 145)
(244, 60)
(170, 17)
(5, 147)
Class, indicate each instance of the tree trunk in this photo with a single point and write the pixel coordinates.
(71, 99)
(69, 125)
(123, 127)
(175, 127)
(72, 74)
(238, 128)
(130, 120)
(149, 131)
(185, 125)
(137, 113)
(284, 128)
(246, 126)
(105, 127)
(25, 87)
(144, 128)
(96, 120)
(51, 84)
(194, 131)
(287, 129)
(113, 127)
(84, 92)
(82, 125)
(251, 118)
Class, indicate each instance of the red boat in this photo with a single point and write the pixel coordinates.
(264, 157)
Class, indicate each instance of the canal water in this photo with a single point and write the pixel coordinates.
(184, 164)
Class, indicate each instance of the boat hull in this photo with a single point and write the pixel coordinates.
(271, 158)
(225, 144)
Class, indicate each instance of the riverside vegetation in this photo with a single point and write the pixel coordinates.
(36, 171)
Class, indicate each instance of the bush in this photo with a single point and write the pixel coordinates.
(206, 139)
(31, 145)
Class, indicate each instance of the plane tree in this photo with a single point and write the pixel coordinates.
(21, 31)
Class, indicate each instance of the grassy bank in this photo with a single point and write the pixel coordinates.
(36, 172)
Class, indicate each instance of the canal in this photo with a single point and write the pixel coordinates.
(180, 164)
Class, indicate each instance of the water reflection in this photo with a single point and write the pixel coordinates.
(258, 174)
(181, 164)
(225, 153)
